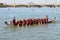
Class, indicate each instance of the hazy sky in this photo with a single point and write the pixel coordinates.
(34, 1)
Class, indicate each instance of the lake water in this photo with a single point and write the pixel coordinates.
(33, 32)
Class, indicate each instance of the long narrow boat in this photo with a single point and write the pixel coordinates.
(30, 22)
(51, 21)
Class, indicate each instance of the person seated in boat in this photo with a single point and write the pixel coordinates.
(32, 21)
(35, 21)
(41, 21)
(38, 20)
(27, 22)
(23, 22)
(11, 22)
(46, 20)
(20, 23)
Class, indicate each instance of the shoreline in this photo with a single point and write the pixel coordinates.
(2, 5)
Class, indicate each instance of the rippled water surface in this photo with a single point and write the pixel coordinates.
(33, 32)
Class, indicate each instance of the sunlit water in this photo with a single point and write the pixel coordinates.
(33, 32)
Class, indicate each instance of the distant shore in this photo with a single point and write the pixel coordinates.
(2, 5)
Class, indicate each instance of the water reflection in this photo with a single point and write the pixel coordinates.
(15, 28)
(11, 28)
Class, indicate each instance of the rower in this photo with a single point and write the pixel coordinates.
(46, 18)
(27, 22)
(23, 22)
(38, 20)
(41, 21)
(11, 22)
(20, 23)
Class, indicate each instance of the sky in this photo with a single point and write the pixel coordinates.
(29, 1)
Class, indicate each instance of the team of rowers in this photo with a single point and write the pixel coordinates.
(29, 21)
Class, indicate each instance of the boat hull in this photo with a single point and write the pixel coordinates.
(24, 25)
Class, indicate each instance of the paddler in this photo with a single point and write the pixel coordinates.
(23, 22)
(46, 19)
(27, 22)
(11, 22)
(41, 21)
